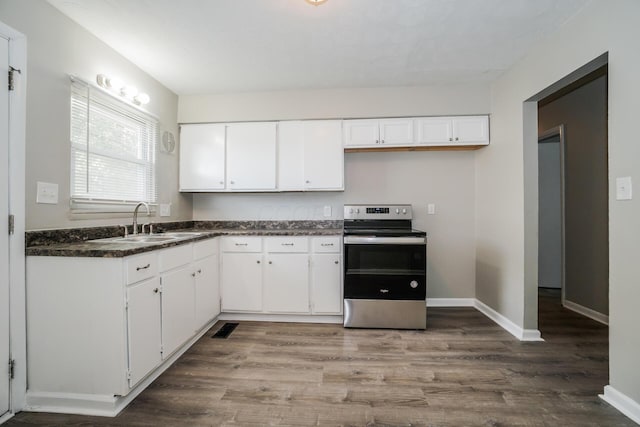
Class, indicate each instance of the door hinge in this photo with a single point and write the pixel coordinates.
(11, 84)
(161, 349)
(129, 375)
(12, 224)
(12, 366)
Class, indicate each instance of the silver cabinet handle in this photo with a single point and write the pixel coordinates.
(286, 244)
(221, 182)
(199, 271)
(143, 268)
(258, 261)
(384, 291)
(241, 244)
(193, 274)
(326, 244)
(382, 142)
(456, 138)
(308, 182)
(450, 139)
(377, 141)
(270, 262)
(155, 291)
(232, 182)
(336, 262)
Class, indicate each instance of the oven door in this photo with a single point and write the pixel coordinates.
(389, 268)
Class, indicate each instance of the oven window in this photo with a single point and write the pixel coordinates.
(385, 259)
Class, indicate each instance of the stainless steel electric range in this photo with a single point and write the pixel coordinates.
(385, 264)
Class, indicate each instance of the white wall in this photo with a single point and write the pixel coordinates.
(58, 47)
(500, 175)
(445, 178)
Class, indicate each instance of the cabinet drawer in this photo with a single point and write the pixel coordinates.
(242, 244)
(205, 248)
(287, 244)
(141, 267)
(326, 244)
(175, 257)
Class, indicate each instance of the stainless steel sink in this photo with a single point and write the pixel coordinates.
(151, 238)
(144, 238)
(183, 234)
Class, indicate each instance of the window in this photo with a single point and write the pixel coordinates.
(113, 152)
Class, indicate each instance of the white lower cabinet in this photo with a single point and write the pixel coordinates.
(325, 289)
(143, 323)
(178, 308)
(241, 282)
(282, 275)
(97, 327)
(286, 283)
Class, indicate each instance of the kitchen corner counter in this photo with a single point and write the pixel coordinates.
(115, 249)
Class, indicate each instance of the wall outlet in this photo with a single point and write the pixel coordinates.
(165, 209)
(47, 193)
(327, 211)
(431, 209)
(623, 188)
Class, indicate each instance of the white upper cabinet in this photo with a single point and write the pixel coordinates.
(251, 156)
(202, 157)
(323, 155)
(463, 130)
(396, 132)
(361, 133)
(310, 155)
(378, 132)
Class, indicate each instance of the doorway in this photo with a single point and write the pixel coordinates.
(573, 195)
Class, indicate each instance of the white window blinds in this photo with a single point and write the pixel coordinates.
(113, 152)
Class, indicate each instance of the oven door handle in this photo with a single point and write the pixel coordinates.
(372, 240)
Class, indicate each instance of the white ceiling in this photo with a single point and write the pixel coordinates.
(213, 46)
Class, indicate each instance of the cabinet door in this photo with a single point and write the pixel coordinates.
(359, 133)
(202, 157)
(143, 328)
(326, 288)
(291, 156)
(435, 130)
(286, 283)
(323, 155)
(251, 156)
(471, 130)
(207, 298)
(241, 282)
(178, 308)
(396, 132)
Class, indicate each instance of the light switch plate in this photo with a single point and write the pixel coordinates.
(165, 209)
(623, 188)
(431, 209)
(47, 193)
(327, 211)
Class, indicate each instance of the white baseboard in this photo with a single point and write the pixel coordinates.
(622, 403)
(6, 417)
(102, 405)
(298, 318)
(591, 314)
(451, 302)
(508, 325)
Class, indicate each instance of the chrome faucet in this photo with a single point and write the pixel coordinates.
(135, 215)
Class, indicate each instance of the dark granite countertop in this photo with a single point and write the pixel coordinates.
(115, 249)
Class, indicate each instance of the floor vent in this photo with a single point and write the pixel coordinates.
(225, 330)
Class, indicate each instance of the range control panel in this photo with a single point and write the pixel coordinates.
(377, 212)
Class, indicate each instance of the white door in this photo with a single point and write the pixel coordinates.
(359, 133)
(326, 291)
(323, 155)
(4, 232)
(396, 132)
(251, 156)
(207, 290)
(434, 130)
(143, 322)
(286, 283)
(202, 148)
(241, 282)
(178, 309)
(471, 130)
(291, 155)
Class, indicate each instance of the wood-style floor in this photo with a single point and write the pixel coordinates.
(463, 371)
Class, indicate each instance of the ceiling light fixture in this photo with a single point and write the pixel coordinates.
(316, 2)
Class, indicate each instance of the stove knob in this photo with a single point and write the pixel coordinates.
(413, 284)
(351, 210)
(404, 211)
(357, 210)
(397, 211)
